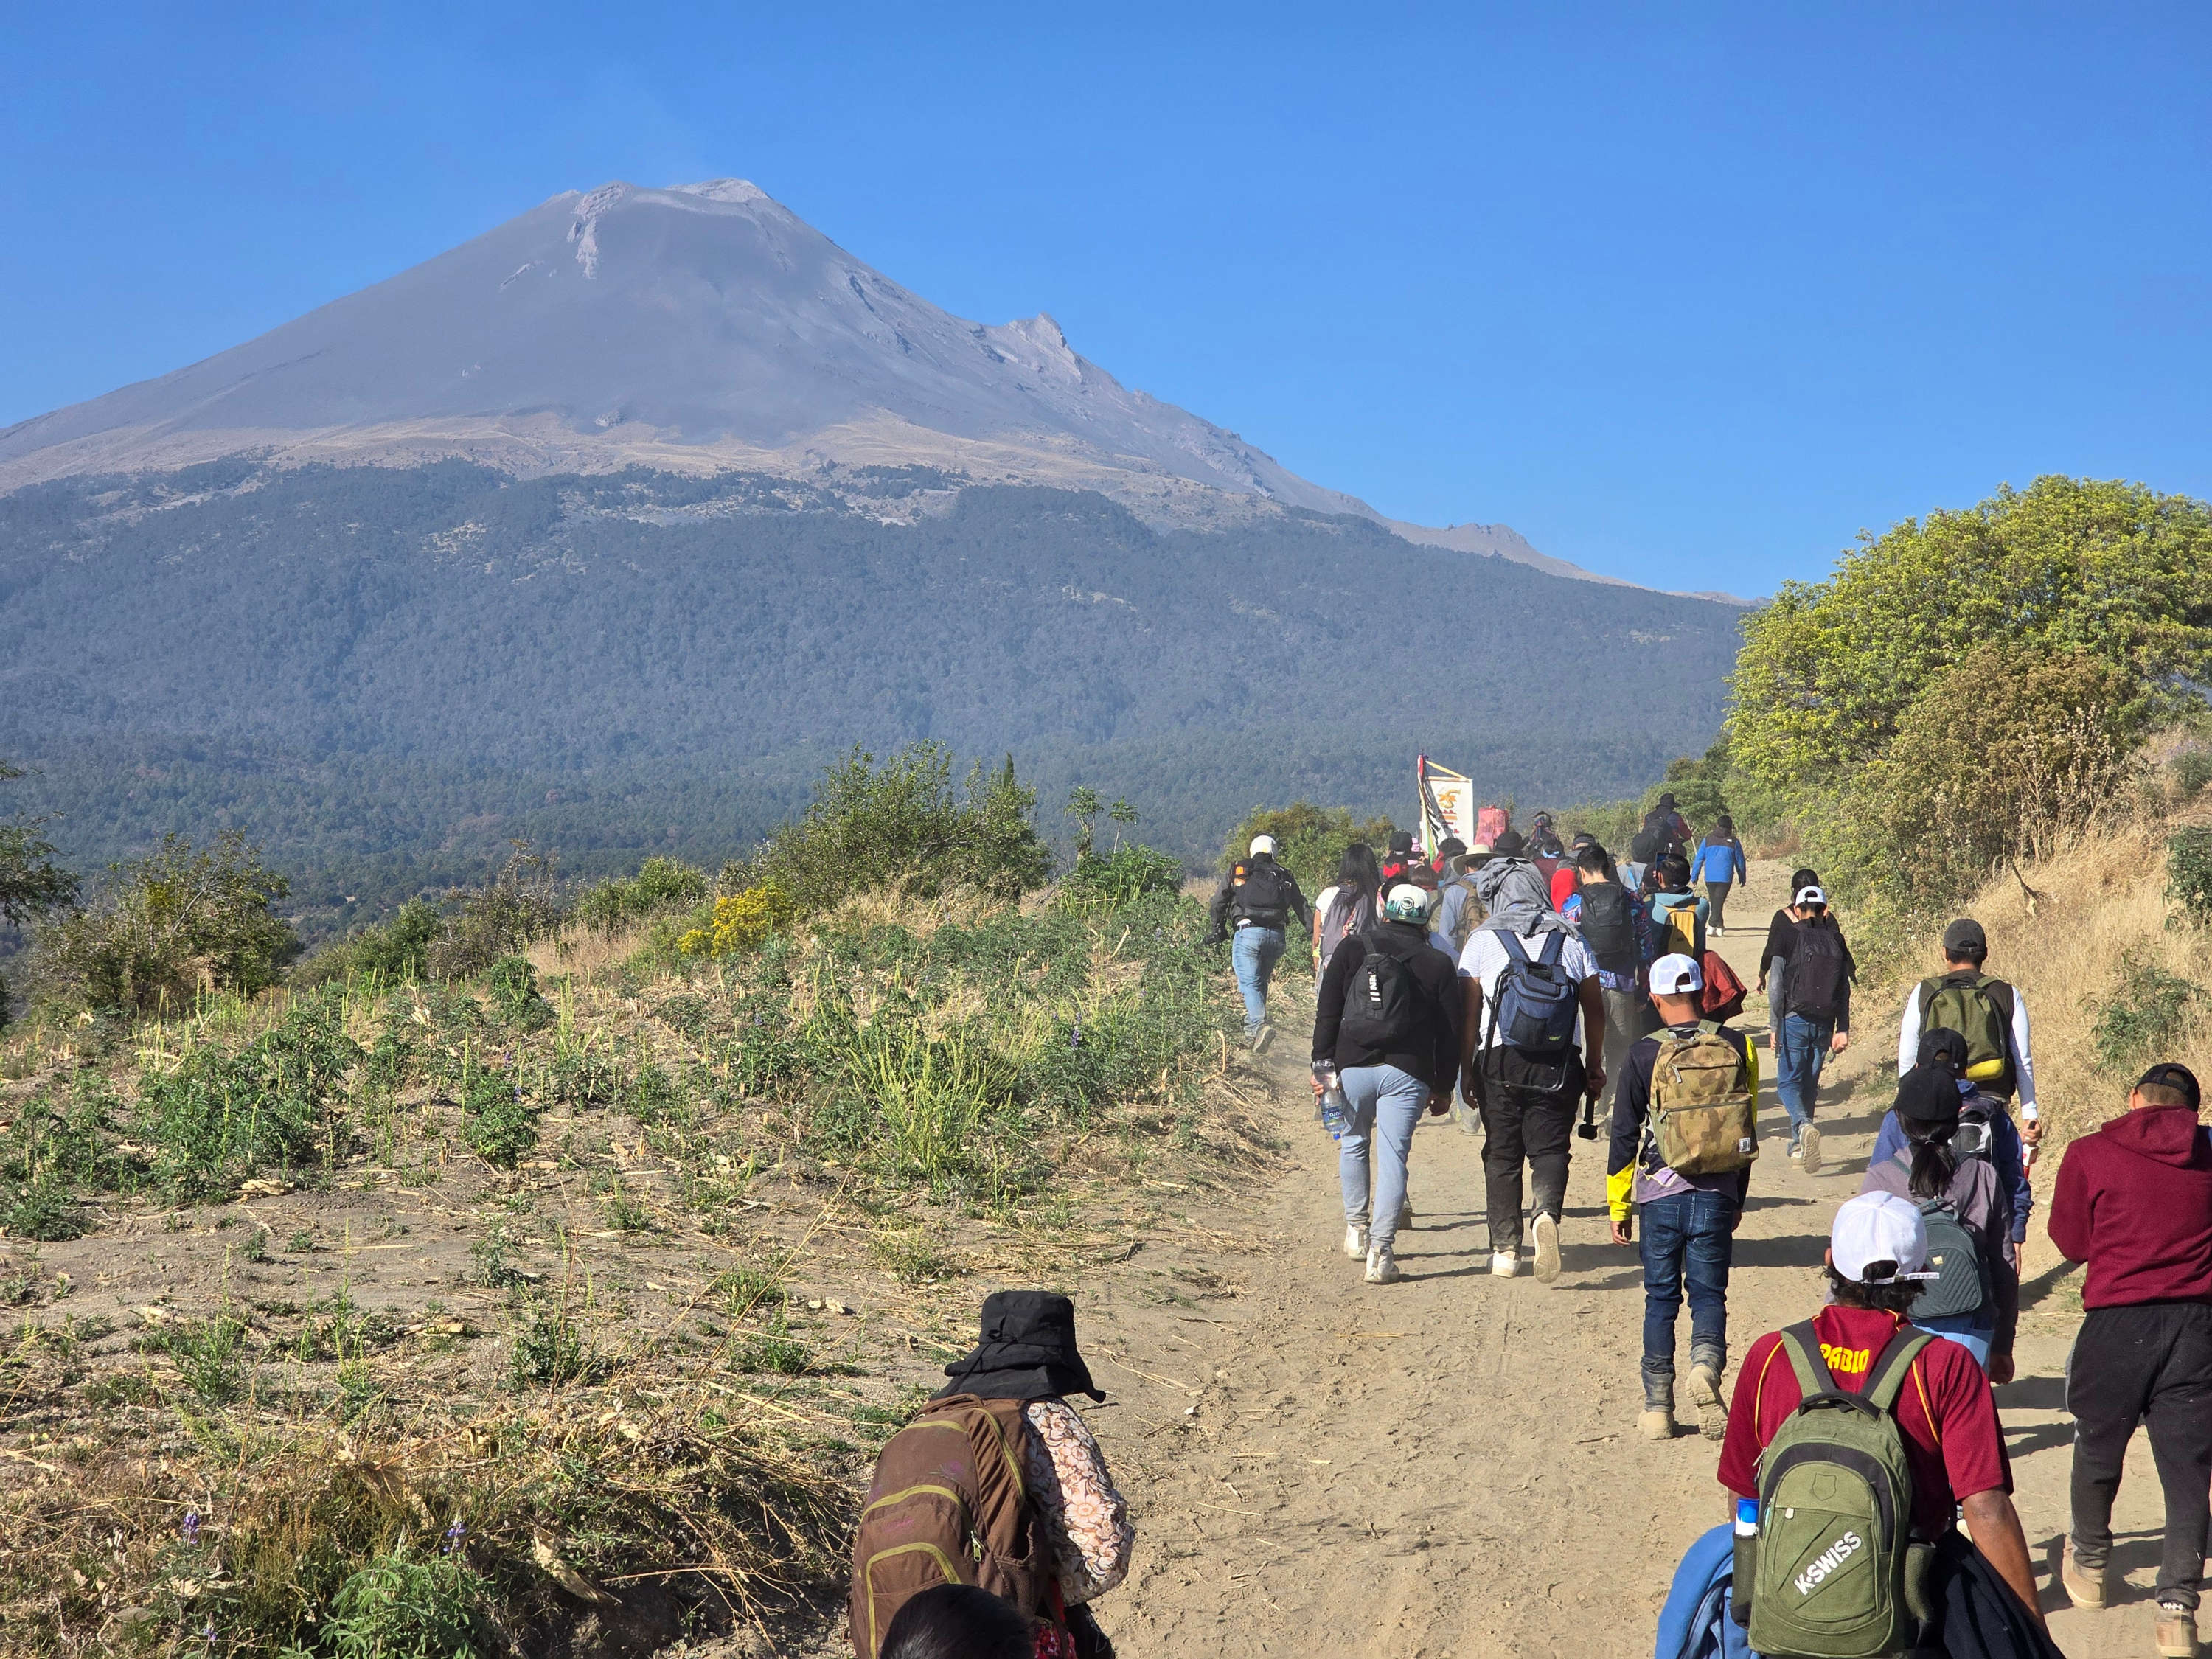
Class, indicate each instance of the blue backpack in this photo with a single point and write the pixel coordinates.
(1699, 1621)
(1536, 1004)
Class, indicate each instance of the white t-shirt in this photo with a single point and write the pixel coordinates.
(1485, 958)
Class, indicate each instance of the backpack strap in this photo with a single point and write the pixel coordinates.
(1802, 1344)
(1886, 1378)
(1514, 948)
(1554, 943)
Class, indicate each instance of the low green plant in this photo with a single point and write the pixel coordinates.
(626, 1214)
(551, 1349)
(931, 1096)
(2188, 873)
(743, 1289)
(501, 1119)
(208, 1355)
(2143, 1017)
(402, 1605)
(773, 1351)
(1100, 885)
(2192, 770)
(512, 982)
(911, 1261)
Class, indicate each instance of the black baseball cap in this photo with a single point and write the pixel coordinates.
(1402, 840)
(2180, 1078)
(1965, 934)
(1927, 1094)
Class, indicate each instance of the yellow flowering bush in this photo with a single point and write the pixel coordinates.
(742, 921)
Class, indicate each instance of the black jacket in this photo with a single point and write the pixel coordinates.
(1230, 899)
(1433, 1054)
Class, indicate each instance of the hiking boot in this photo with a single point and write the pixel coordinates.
(1656, 1421)
(1261, 1038)
(1808, 1150)
(2176, 1634)
(1547, 1249)
(1355, 1241)
(1406, 1215)
(1706, 1395)
(1505, 1264)
(1382, 1267)
(2085, 1586)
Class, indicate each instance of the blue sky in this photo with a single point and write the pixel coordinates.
(1689, 295)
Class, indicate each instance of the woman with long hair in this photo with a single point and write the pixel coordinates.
(1965, 1192)
(1348, 906)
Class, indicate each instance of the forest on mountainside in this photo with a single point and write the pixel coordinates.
(385, 674)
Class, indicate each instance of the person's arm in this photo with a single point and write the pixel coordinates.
(1218, 910)
(1470, 1074)
(1298, 901)
(2023, 1065)
(1083, 1517)
(1843, 1038)
(1889, 1141)
(1451, 1009)
(1742, 865)
(1329, 999)
(1908, 1033)
(2012, 1170)
(1593, 1001)
(1992, 1236)
(1995, 1527)
(1632, 1099)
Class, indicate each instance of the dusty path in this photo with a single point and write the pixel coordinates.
(1449, 1466)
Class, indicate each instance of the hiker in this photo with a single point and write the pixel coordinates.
(1990, 1014)
(2134, 1200)
(1567, 876)
(1618, 930)
(1350, 905)
(1386, 1031)
(1258, 896)
(1780, 931)
(1967, 1213)
(1524, 1062)
(1809, 992)
(1986, 1131)
(1678, 915)
(1685, 1132)
(1457, 909)
(1398, 860)
(1544, 840)
(958, 1621)
(1665, 833)
(1720, 864)
(1832, 1487)
(1000, 1474)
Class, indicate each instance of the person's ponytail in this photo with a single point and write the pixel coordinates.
(1934, 1165)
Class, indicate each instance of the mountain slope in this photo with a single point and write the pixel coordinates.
(695, 328)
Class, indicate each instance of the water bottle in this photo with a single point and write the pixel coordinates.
(1335, 1109)
(1746, 1558)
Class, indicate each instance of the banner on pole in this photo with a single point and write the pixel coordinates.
(1448, 808)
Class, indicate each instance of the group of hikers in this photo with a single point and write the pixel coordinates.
(1518, 985)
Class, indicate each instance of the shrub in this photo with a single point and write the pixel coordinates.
(2192, 770)
(2188, 873)
(521, 905)
(2143, 1017)
(1309, 839)
(396, 953)
(52, 1151)
(660, 885)
(173, 922)
(404, 1606)
(743, 921)
(502, 1126)
(512, 982)
(1098, 885)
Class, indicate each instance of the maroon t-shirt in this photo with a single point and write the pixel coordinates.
(1949, 1417)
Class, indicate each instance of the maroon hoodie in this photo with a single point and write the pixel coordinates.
(2134, 1200)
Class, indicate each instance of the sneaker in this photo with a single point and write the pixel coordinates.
(1381, 1268)
(1505, 1264)
(2084, 1588)
(1261, 1038)
(1655, 1425)
(1808, 1149)
(1706, 1395)
(2175, 1637)
(1355, 1241)
(1547, 1249)
(1406, 1216)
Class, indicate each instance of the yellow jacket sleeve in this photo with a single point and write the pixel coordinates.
(1616, 1190)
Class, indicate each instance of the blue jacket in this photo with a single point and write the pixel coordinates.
(1718, 860)
(2004, 1157)
(1697, 1621)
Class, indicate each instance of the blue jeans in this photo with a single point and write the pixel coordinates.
(1688, 1242)
(1801, 1049)
(1386, 1105)
(1972, 1332)
(1254, 952)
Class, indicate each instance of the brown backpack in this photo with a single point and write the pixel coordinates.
(949, 1504)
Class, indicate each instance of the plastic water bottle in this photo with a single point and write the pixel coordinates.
(1335, 1109)
(1746, 1558)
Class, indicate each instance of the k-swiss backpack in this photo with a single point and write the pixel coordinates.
(1835, 1513)
(1703, 1119)
(1382, 1004)
(949, 1506)
(1537, 999)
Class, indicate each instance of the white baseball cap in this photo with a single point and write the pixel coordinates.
(1261, 844)
(1876, 1228)
(1676, 975)
(1810, 895)
(1408, 902)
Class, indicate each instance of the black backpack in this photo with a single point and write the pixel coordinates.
(1647, 844)
(1262, 892)
(1669, 834)
(1607, 920)
(1816, 970)
(1382, 1003)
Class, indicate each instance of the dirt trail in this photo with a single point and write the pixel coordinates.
(1449, 1466)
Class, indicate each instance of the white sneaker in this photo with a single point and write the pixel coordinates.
(1355, 1242)
(1808, 1149)
(1547, 1249)
(1382, 1269)
(1505, 1264)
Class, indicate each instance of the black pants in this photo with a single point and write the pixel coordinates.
(1716, 894)
(1529, 1117)
(2150, 1364)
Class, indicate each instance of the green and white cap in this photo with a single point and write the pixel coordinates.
(1406, 903)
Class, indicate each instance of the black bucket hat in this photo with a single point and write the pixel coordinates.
(1028, 1351)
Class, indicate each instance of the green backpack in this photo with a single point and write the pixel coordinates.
(1963, 1002)
(1835, 1513)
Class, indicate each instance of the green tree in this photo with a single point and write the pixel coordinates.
(1084, 805)
(32, 885)
(1309, 839)
(1828, 670)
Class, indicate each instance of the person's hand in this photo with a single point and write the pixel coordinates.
(2001, 1369)
(1622, 1228)
(2031, 1131)
(1439, 1102)
(1215, 938)
(1762, 985)
(1593, 1080)
(1837, 1044)
(1320, 1087)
